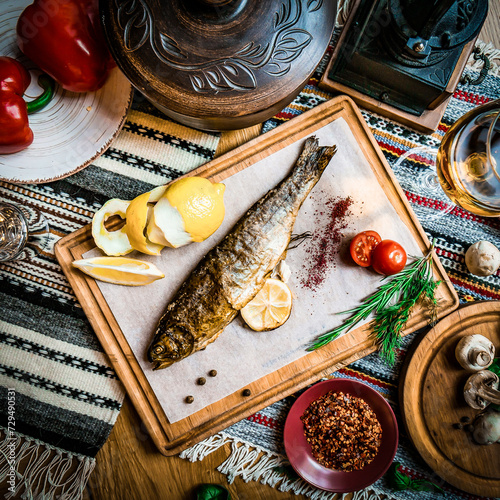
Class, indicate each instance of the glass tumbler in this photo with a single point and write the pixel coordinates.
(13, 231)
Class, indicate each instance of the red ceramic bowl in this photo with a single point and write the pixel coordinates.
(298, 449)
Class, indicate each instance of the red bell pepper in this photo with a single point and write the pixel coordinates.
(15, 132)
(65, 39)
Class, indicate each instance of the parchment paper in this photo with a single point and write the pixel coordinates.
(241, 355)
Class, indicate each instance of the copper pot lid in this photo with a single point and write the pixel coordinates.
(218, 64)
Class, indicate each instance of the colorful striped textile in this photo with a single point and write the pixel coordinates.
(257, 441)
(59, 398)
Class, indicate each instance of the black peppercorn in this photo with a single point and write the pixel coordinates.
(465, 420)
(189, 399)
(457, 425)
(201, 381)
(212, 373)
(469, 427)
(247, 392)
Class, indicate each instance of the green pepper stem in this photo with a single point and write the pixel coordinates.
(48, 85)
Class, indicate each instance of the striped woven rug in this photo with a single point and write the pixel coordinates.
(59, 398)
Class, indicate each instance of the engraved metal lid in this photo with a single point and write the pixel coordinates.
(218, 64)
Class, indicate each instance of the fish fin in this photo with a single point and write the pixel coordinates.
(207, 341)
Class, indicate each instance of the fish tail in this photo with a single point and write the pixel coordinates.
(313, 160)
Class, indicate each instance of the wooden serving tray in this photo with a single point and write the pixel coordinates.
(171, 438)
(431, 396)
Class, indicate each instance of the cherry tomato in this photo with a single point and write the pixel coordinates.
(362, 246)
(388, 257)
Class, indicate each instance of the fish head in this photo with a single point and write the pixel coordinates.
(169, 345)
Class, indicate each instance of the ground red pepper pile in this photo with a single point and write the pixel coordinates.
(343, 431)
(325, 241)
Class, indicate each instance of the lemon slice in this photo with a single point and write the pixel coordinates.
(120, 270)
(111, 242)
(270, 308)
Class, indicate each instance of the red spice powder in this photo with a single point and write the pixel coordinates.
(324, 244)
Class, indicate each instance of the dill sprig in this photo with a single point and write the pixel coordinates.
(391, 306)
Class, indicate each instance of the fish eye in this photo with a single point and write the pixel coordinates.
(159, 349)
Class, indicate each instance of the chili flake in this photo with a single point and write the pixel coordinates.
(343, 431)
(324, 244)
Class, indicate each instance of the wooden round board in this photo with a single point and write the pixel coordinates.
(431, 395)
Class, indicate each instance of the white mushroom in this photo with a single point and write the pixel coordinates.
(481, 389)
(475, 352)
(482, 258)
(486, 428)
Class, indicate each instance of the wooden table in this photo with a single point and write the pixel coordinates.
(129, 467)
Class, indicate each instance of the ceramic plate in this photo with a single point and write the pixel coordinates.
(73, 130)
(298, 449)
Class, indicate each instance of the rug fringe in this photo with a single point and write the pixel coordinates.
(252, 463)
(200, 450)
(37, 471)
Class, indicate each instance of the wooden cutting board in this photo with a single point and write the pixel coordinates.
(431, 396)
(171, 438)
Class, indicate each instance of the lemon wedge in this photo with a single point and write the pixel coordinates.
(191, 209)
(270, 308)
(120, 270)
(111, 242)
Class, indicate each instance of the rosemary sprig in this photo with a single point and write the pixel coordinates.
(391, 305)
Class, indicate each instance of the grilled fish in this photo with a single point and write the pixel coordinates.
(234, 271)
